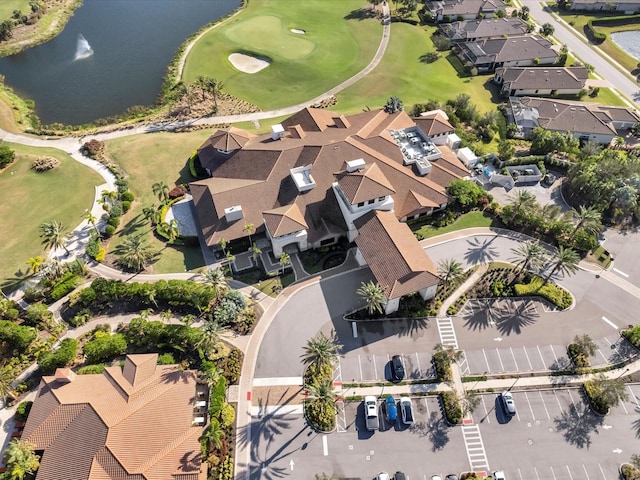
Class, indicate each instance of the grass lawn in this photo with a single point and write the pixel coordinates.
(8, 6)
(302, 66)
(402, 74)
(468, 220)
(28, 199)
(148, 159)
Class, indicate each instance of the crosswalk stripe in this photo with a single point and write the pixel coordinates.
(476, 453)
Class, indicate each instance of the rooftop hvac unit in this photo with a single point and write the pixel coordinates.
(233, 214)
(354, 165)
(277, 132)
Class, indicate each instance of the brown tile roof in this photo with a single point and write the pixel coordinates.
(393, 253)
(434, 123)
(413, 204)
(556, 78)
(284, 220)
(366, 184)
(227, 140)
(130, 423)
(257, 177)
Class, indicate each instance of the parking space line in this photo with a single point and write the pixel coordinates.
(418, 362)
(569, 472)
(633, 396)
(624, 408)
(464, 364)
(426, 405)
(530, 407)
(528, 359)
(514, 359)
(486, 412)
(544, 405)
(558, 400)
(338, 371)
(572, 400)
(360, 365)
(375, 369)
(325, 445)
(536, 470)
(541, 357)
(585, 471)
(603, 357)
(554, 353)
(602, 472)
(520, 474)
(500, 358)
(485, 360)
(610, 322)
(552, 472)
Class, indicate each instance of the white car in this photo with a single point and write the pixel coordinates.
(383, 476)
(498, 475)
(406, 408)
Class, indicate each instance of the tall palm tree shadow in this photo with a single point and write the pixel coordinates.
(508, 322)
(412, 327)
(480, 251)
(481, 317)
(18, 279)
(636, 427)
(577, 425)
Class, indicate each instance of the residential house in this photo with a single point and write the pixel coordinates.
(586, 121)
(142, 421)
(622, 6)
(452, 10)
(527, 50)
(435, 124)
(520, 81)
(307, 183)
(476, 30)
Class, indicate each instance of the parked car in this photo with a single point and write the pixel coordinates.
(383, 476)
(498, 475)
(507, 402)
(436, 477)
(399, 476)
(390, 409)
(371, 412)
(397, 368)
(406, 408)
(451, 476)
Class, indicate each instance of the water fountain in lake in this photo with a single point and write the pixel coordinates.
(83, 49)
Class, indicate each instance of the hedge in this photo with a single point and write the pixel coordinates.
(578, 356)
(64, 286)
(597, 402)
(593, 35)
(556, 295)
(442, 363)
(451, 406)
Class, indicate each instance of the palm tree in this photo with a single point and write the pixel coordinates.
(609, 391)
(255, 252)
(322, 392)
(53, 269)
(91, 218)
(249, 228)
(453, 354)
(449, 270)
(565, 261)
(587, 219)
(223, 245)
(203, 84)
(150, 213)
(161, 190)
(586, 344)
(373, 295)
(183, 91)
(320, 350)
(214, 434)
(54, 235)
(469, 401)
(171, 229)
(528, 255)
(211, 332)
(215, 89)
(35, 263)
(21, 459)
(522, 200)
(211, 376)
(230, 257)
(109, 196)
(7, 377)
(285, 260)
(134, 253)
(215, 278)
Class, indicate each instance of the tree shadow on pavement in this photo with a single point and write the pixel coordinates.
(636, 427)
(621, 351)
(480, 251)
(481, 317)
(509, 321)
(577, 424)
(409, 328)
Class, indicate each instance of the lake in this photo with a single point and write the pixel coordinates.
(629, 42)
(112, 55)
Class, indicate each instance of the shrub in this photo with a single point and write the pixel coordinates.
(91, 369)
(217, 399)
(109, 230)
(321, 416)
(37, 315)
(232, 366)
(42, 164)
(578, 356)
(127, 196)
(22, 411)
(126, 206)
(596, 400)
(553, 293)
(63, 287)
(633, 335)
(105, 347)
(80, 318)
(629, 472)
(7, 155)
(93, 247)
(114, 221)
(442, 363)
(227, 415)
(94, 149)
(63, 356)
(166, 359)
(102, 253)
(451, 406)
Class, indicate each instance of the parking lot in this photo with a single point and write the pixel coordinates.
(555, 436)
(500, 315)
(552, 436)
(376, 367)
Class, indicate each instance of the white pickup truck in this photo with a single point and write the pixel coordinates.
(371, 412)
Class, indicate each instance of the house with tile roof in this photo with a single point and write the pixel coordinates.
(435, 124)
(307, 183)
(585, 121)
(524, 51)
(529, 81)
(139, 422)
(486, 28)
(622, 6)
(448, 10)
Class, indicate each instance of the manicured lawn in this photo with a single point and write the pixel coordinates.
(8, 6)
(302, 66)
(468, 220)
(28, 199)
(606, 97)
(148, 159)
(402, 74)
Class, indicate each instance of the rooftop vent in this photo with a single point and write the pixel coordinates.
(64, 375)
(277, 132)
(301, 176)
(233, 214)
(354, 165)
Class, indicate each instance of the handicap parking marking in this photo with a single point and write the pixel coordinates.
(464, 364)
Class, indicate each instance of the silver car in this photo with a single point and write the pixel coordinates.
(507, 402)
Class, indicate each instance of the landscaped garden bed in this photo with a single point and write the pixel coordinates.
(324, 258)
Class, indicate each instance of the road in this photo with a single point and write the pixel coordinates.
(577, 46)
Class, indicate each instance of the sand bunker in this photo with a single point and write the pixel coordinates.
(298, 31)
(248, 63)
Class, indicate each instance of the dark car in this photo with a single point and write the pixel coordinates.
(507, 403)
(397, 368)
(399, 476)
(451, 476)
(390, 409)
